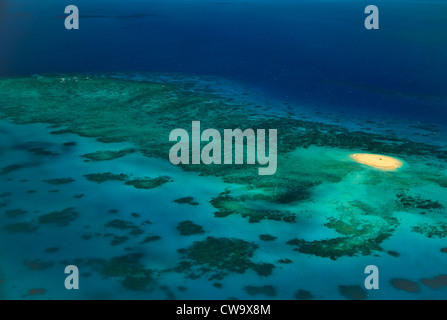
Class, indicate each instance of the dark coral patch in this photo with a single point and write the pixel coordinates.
(148, 183)
(417, 202)
(188, 228)
(60, 218)
(437, 230)
(108, 155)
(220, 256)
(59, 181)
(285, 261)
(36, 292)
(22, 227)
(52, 250)
(14, 213)
(268, 291)
(42, 152)
(361, 235)
(39, 265)
(228, 205)
(150, 239)
(267, 237)
(131, 272)
(393, 253)
(103, 177)
(5, 194)
(405, 285)
(187, 200)
(117, 240)
(436, 283)
(353, 292)
(8, 169)
(125, 225)
(304, 295)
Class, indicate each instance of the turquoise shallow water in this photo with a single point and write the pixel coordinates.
(34, 258)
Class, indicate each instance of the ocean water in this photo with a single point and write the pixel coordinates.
(86, 179)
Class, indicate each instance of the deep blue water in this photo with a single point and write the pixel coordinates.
(311, 52)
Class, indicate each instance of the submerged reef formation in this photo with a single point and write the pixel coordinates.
(361, 233)
(119, 224)
(9, 169)
(353, 292)
(129, 269)
(304, 295)
(220, 256)
(436, 230)
(60, 218)
(103, 177)
(187, 200)
(314, 167)
(188, 228)
(138, 183)
(148, 183)
(228, 205)
(405, 285)
(59, 181)
(406, 201)
(108, 155)
(268, 291)
(22, 227)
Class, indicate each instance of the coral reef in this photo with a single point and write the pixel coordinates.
(220, 256)
(150, 239)
(39, 265)
(406, 201)
(285, 261)
(362, 234)
(108, 155)
(36, 291)
(187, 200)
(436, 283)
(228, 205)
(353, 292)
(60, 218)
(22, 227)
(128, 268)
(42, 152)
(125, 225)
(117, 240)
(103, 177)
(268, 291)
(8, 169)
(14, 213)
(304, 295)
(59, 181)
(436, 230)
(188, 228)
(267, 237)
(148, 183)
(405, 285)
